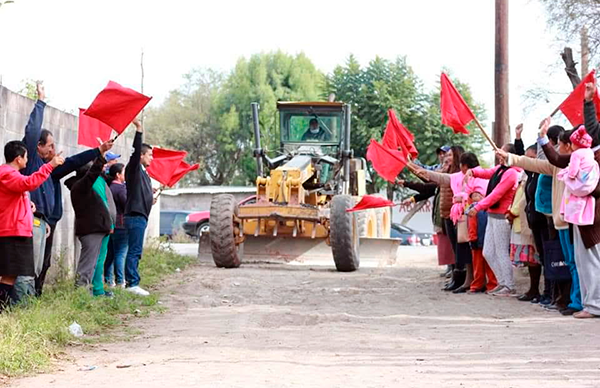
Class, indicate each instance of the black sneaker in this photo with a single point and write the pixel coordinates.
(545, 300)
(568, 311)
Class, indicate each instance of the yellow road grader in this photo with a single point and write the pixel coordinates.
(300, 208)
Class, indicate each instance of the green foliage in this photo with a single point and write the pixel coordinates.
(266, 79)
(34, 334)
(385, 84)
(210, 116)
(187, 120)
(29, 88)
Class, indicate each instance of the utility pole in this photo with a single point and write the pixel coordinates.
(585, 52)
(501, 130)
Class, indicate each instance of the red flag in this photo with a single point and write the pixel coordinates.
(370, 202)
(455, 111)
(387, 162)
(90, 129)
(181, 171)
(572, 106)
(164, 164)
(397, 136)
(117, 106)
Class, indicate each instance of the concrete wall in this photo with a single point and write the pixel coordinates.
(14, 114)
(193, 202)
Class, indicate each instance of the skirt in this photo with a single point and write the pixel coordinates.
(444, 250)
(522, 251)
(16, 256)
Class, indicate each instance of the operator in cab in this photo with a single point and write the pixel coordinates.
(315, 132)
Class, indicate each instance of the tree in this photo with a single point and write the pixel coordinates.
(266, 79)
(210, 117)
(29, 88)
(385, 84)
(571, 17)
(187, 120)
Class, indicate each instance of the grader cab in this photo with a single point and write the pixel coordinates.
(300, 209)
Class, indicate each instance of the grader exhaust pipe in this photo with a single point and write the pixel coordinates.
(347, 152)
(258, 151)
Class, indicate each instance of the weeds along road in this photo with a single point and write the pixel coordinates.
(281, 325)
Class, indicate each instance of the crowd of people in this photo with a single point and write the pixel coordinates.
(537, 208)
(111, 201)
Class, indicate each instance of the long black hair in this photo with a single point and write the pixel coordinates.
(457, 151)
(115, 169)
(469, 159)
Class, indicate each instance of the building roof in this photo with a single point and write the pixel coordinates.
(211, 190)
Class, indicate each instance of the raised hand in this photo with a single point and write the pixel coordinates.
(106, 146)
(544, 126)
(138, 125)
(400, 182)
(590, 90)
(41, 91)
(57, 160)
(518, 131)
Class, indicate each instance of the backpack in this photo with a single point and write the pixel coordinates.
(494, 181)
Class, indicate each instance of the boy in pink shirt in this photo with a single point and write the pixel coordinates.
(16, 217)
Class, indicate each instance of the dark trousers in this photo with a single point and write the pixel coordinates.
(41, 279)
(462, 251)
(540, 234)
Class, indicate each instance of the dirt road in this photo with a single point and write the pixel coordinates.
(268, 325)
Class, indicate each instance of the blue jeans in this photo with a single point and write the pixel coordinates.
(568, 252)
(136, 227)
(119, 241)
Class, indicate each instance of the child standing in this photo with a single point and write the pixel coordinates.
(16, 217)
(581, 178)
(522, 250)
(483, 276)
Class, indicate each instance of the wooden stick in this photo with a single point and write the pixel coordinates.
(160, 190)
(494, 146)
(555, 111)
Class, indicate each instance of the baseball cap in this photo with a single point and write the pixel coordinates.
(111, 156)
(443, 148)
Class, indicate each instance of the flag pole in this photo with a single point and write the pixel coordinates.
(494, 146)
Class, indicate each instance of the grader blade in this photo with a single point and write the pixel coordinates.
(377, 252)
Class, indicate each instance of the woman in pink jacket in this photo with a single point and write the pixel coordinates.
(499, 196)
(16, 217)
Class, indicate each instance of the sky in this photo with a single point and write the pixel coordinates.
(77, 46)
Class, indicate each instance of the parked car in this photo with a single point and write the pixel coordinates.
(197, 223)
(171, 222)
(409, 236)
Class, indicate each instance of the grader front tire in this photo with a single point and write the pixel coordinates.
(225, 252)
(344, 234)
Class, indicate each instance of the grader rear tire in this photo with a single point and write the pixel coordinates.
(344, 234)
(225, 252)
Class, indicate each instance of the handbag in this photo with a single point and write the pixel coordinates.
(462, 230)
(555, 267)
